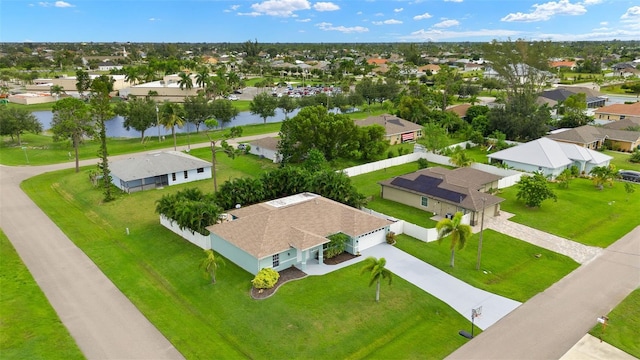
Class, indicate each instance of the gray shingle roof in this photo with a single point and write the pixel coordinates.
(155, 164)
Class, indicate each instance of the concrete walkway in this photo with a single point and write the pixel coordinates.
(552, 322)
(461, 296)
(578, 252)
(591, 348)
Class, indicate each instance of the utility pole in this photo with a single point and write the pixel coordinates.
(484, 200)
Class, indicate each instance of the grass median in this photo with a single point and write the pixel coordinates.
(29, 327)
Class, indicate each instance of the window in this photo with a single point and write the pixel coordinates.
(200, 170)
(424, 201)
(276, 260)
(186, 174)
(173, 176)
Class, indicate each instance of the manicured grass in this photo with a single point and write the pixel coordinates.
(368, 185)
(404, 212)
(582, 212)
(333, 315)
(477, 154)
(41, 149)
(509, 267)
(29, 327)
(621, 160)
(622, 327)
(35, 107)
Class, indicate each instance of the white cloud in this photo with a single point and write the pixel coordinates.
(458, 1)
(378, 14)
(440, 35)
(423, 16)
(283, 8)
(325, 6)
(234, 7)
(592, 2)
(343, 29)
(546, 11)
(359, 13)
(253, 14)
(154, 19)
(387, 22)
(398, 10)
(446, 24)
(632, 14)
(63, 4)
(604, 23)
(303, 20)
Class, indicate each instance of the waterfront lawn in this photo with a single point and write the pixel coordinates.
(41, 149)
(509, 267)
(582, 213)
(29, 327)
(334, 314)
(622, 327)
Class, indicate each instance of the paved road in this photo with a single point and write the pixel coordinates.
(549, 324)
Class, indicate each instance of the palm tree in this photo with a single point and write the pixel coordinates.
(603, 175)
(185, 81)
(460, 159)
(203, 79)
(211, 263)
(459, 232)
(56, 90)
(170, 117)
(132, 75)
(376, 267)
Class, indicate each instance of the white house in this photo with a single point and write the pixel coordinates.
(550, 157)
(158, 169)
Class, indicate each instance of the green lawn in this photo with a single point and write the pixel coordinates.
(509, 267)
(334, 314)
(368, 185)
(622, 327)
(582, 213)
(42, 150)
(404, 212)
(29, 327)
(621, 160)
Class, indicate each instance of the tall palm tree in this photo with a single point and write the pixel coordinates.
(133, 74)
(203, 78)
(170, 117)
(460, 159)
(376, 267)
(56, 90)
(211, 263)
(459, 232)
(185, 81)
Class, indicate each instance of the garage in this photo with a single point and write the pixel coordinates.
(371, 239)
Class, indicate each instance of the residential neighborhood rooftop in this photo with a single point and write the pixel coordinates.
(155, 164)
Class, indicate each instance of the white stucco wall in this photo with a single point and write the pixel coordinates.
(192, 175)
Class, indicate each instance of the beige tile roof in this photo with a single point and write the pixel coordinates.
(263, 230)
(460, 110)
(623, 124)
(620, 109)
(392, 124)
(588, 134)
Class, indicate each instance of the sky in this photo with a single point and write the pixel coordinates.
(303, 21)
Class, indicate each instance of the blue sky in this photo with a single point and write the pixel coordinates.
(271, 21)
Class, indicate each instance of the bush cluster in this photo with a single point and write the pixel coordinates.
(265, 279)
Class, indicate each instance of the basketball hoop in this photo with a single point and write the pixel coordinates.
(476, 312)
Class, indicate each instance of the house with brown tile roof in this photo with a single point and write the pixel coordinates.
(563, 64)
(292, 231)
(617, 112)
(429, 67)
(397, 130)
(460, 110)
(443, 191)
(594, 138)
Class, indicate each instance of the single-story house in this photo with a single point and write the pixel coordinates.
(292, 231)
(560, 94)
(157, 169)
(617, 112)
(443, 191)
(626, 124)
(460, 110)
(108, 66)
(549, 157)
(593, 137)
(397, 130)
(267, 148)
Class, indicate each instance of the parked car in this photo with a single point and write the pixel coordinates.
(630, 175)
(232, 97)
(242, 146)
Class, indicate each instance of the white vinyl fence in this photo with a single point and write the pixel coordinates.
(203, 242)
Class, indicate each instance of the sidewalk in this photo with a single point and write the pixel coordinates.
(461, 296)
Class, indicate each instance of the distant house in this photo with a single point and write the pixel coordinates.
(617, 112)
(429, 67)
(108, 66)
(560, 95)
(397, 130)
(443, 191)
(266, 148)
(460, 110)
(626, 124)
(563, 64)
(549, 157)
(626, 69)
(593, 137)
(159, 169)
(292, 231)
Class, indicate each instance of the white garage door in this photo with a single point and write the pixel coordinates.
(370, 240)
